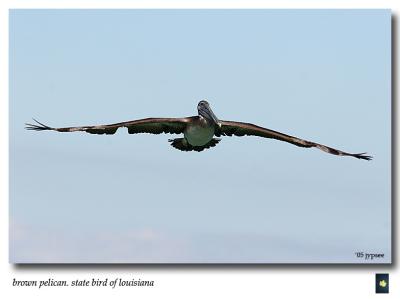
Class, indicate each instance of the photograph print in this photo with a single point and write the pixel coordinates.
(200, 136)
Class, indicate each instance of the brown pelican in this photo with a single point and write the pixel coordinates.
(198, 131)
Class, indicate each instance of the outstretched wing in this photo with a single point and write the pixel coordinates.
(147, 125)
(229, 128)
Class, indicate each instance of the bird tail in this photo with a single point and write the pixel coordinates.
(182, 144)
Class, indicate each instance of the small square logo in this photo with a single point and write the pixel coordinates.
(381, 283)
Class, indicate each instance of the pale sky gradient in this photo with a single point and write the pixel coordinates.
(319, 75)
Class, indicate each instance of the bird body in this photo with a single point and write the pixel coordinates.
(198, 131)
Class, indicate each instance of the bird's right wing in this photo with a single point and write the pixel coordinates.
(147, 125)
(229, 128)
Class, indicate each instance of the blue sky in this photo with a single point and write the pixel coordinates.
(321, 75)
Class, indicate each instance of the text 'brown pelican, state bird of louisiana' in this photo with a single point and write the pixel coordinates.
(198, 131)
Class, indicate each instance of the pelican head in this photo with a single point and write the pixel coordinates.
(205, 111)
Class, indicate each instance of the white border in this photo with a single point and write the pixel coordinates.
(184, 282)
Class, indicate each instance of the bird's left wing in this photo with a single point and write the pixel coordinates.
(229, 128)
(147, 125)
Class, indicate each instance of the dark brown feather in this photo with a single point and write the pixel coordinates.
(147, 125)
(183, 145)
(229, 128)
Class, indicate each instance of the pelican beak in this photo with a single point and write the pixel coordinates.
(212, 116)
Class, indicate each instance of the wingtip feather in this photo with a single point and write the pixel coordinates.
(363, 156)
(37, 127)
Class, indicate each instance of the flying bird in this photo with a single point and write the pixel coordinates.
(198, 131)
